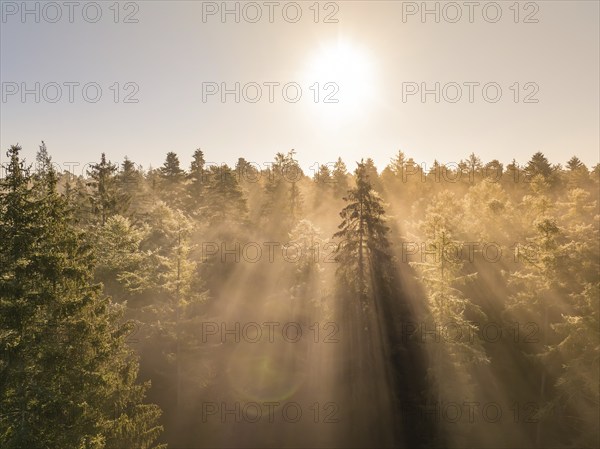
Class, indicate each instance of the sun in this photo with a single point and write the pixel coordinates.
(344, 73)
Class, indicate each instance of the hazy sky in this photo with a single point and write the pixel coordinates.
(373, 54)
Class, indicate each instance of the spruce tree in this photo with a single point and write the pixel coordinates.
(362, 235)
(130, 191)
(383, 370)
(104, 197)
(171, 171)
(577, 173)
(340, 178)
(538, 165)
(43, 161)
(282, 194)
(225, 202)
(197, 182)
(441, 270)
(68, 378)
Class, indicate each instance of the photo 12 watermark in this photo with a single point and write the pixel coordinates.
(268, 332)
(271, 412)
(69, 92)
(69, 12)
(270, 12)
(268, 92)
(470, 12)
(469, 92)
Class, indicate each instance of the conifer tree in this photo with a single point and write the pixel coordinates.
(441, 271)
(373, 313)
(169, 179)
(225, 201)
(538, 283)
(171, 171)
(197, 181)
(70, 379)
(43, 161)
(130, 189)
(577, 173)
(104, 197)
(580, 355)
(340, 178)
(324, 185)
(362, 235)
(323, 178)
(539, 165)
(282, 193)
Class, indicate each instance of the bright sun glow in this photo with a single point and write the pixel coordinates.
(345, 73)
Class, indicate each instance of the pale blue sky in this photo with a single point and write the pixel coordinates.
(170, 52)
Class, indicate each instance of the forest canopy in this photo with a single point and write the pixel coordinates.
(451, 305)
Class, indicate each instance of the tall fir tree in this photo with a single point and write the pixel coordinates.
(197, 182)
(373, 314)
(69, 379)
(104, 197)
(340, 178)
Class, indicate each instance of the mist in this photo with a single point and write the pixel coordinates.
(358, 307)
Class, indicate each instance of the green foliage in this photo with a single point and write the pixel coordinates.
(282, 205)
(441, 271)
(104, 199)
(69, 365)
(197, 182)
(225, 203)
(362, 235)
(68, 379)
(171, 171)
